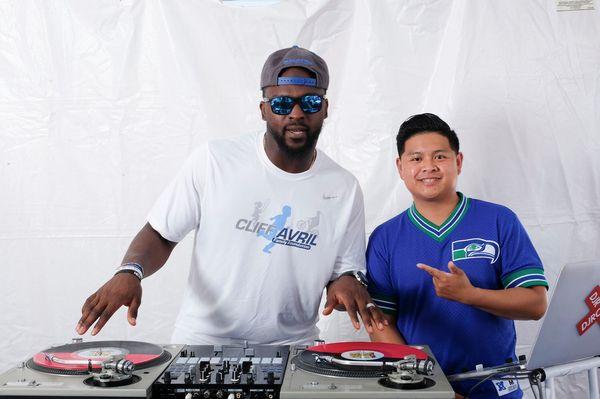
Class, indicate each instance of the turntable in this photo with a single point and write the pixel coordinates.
(127, 369)
(363, 369)
(90, 369)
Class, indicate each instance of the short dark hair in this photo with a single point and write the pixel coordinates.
(423, 123)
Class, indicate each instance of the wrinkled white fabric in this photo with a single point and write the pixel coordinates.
(101, 102)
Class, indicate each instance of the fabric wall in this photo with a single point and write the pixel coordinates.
(101, 102)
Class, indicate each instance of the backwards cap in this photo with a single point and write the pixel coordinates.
(294, 57)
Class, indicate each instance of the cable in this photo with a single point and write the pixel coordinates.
(532, 391)
(536, 377)
(505, 374)
(519, 375)
(481, 382)
(516, 376)
(541, 390)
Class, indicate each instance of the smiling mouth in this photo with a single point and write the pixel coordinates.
(296, 131)
(429, 180)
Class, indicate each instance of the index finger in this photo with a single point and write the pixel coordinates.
(104, 316)
(351, 310)
(330, 304)
(88, 303)
(89, 317)
(433, 272)
(363, 310)
(88, 307)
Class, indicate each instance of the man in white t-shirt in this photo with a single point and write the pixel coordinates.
(276, 221)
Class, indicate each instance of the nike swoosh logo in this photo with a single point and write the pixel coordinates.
(329, 196)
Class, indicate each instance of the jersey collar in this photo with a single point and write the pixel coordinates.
(439, 233)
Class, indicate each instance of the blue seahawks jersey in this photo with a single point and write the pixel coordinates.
(485, 240)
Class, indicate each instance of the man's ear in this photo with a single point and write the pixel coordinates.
(326, 108)
(459, 161)
(261, 105)
(399, 167)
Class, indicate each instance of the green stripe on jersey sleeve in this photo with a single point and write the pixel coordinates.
(527, 277)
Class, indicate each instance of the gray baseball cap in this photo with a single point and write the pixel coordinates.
(294, 57)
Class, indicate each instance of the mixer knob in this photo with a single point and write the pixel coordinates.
(204, 375)
(270, 378)
(204, 365)
(226, 365)
(236, 374)
(246, 364)
(187, 378)
(219, 377)
(250, 379)
(167, 377)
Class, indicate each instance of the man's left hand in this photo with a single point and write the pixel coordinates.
(455, 285)
(348, 293)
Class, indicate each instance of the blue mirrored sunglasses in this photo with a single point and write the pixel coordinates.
(283, 105)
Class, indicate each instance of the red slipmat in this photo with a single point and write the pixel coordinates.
(388, 350)
(79, 357)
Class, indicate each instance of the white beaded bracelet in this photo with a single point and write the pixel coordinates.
(132, 267)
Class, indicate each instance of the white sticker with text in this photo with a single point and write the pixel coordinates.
(504, 387)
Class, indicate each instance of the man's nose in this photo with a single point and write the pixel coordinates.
(429, 164)
(296, 112)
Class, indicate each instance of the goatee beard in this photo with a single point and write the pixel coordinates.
(300, 152)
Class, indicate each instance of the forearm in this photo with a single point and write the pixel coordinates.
(149, 249)
(514, 303)
(389, 334)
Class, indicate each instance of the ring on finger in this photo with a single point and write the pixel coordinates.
(370, 305)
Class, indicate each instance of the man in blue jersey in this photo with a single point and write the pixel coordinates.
(452, 272)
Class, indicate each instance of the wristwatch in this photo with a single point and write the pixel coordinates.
(358, 275)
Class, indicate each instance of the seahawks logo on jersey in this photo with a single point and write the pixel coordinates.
(473, 248)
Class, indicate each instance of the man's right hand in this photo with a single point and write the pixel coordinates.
(121, 289)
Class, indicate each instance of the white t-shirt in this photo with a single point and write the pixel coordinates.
(267, 241)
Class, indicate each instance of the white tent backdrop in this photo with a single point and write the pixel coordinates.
(101, 102)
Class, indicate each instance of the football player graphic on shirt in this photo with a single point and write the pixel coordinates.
(278, 224)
